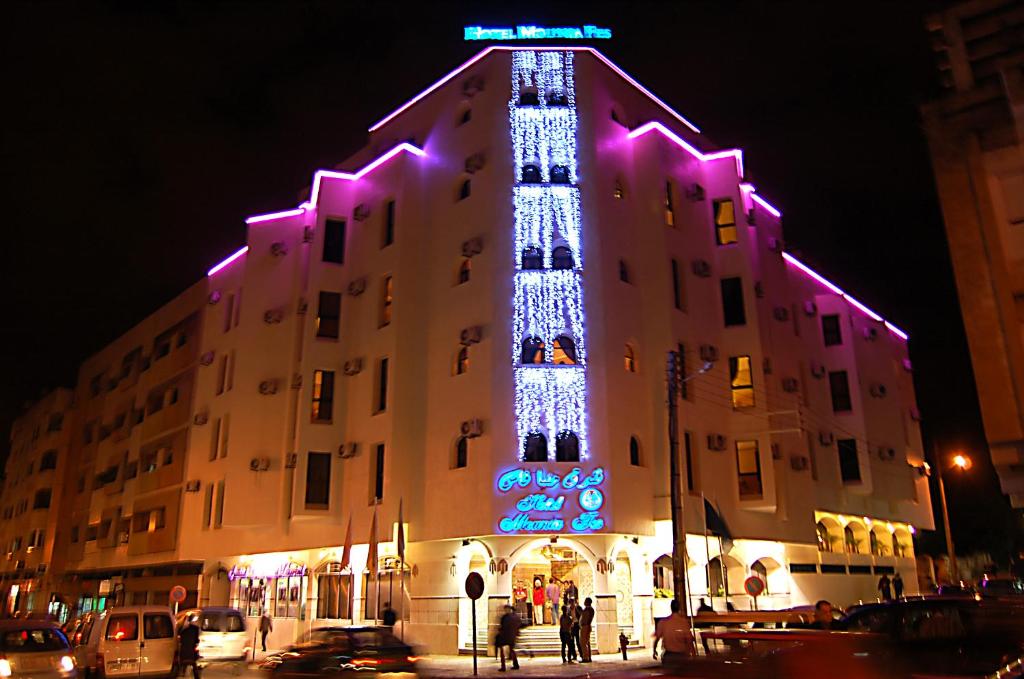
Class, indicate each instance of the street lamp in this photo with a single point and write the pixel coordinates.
(963, 463)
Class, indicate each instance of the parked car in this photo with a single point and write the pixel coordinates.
(35, 649)
(222, 634)
(333, 650)
(137, 641)
(1001, 587)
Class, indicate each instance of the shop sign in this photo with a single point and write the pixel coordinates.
(586, 32)
(285, 570)
(549, 503)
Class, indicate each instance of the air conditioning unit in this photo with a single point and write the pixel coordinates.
(878, 390)
(871, 333)
(348, 450)
(268, 387)
(716, 442)
(279, 248)
(907, 365)
(695, 192)
(475, 163)
(471, 335)
(361, 213)
(776, 451)
(259, 464)
(307, 234)
(798, 463)
(122, 537)
(766, 365)
(708, 353)
(297, 381)
(472, 428)
(302, 307)
(291, 460)
(751, 218)
(353, 366)
(759, 289)
(826, 438)
(206, 359)
(214, 297)
(200, 418)
(192, 486)
(357, 286)
(775, 244)
(790, 384)
(701, 267)
(473, 246)
(273, 316)
(810, 308)
(780, 313)
(817, 369)
(886, 454)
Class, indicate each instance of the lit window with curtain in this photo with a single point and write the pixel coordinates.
(741, 381)
(323, 395)
(748, 467)
(725, 222)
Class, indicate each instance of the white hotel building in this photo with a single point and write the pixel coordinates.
(471, 316)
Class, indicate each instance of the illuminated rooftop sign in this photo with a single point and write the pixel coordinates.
(587, 32)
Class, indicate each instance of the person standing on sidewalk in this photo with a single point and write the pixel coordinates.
(266, 626)
(538, 602)
(576, 611)
(508, 634)
(554, 594)
(565, 634)
(586, 624)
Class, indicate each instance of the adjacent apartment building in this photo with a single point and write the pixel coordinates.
(459, 338)
(975, 132)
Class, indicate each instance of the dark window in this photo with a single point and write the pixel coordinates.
(466, 116)
(725, 222)
(733, 310)
(382, 386)
(461, 452)
(531, 174)
(670, 210)
(840, 386)
(748, 466)
(532, 259)
(691, 471)
(623, 271)
(677, 286)
(49, 460)
(389, 224)
(849, 465)
(328, 315)
(42, 499)
(559, 174)
(464, 190)
(318, 480)
(536, 448)
(831, 330)
(533, 351)
(378, 475)
(323, 395)
(567, 447)
(123, 627)
(387, 299)
(529, 97)
(564, 350)
(157, 626)
(634, 451)
(684, 391)
(561, 258)
(465, 269)
(334, 241)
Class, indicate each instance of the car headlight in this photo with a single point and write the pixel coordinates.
(67, 663)
(5, 667)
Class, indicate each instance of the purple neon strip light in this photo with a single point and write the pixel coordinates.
(275, 215)
(227, 261)
(507, 48)
(654, 125)
(765, 204)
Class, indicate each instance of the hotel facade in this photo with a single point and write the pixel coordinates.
(469, 320)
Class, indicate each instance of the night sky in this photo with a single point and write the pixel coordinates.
(137, 136)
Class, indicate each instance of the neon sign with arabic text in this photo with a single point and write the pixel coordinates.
(540, 509)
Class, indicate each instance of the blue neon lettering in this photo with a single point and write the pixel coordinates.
(540, 503)
(588, 521)
(530, 32)
(596, 478)
(571, 479)
(523, 522)
(546, 479)
(508, 480)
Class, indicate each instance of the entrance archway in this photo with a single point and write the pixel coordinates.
(543, 563)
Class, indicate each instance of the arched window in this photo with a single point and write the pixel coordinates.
(559, 174)
(533, 351)
(873, 541)
(49, 460)
(529, 97)
(761, 571)
(567, 447)
(630, 360)
(536, 448)
(718, 578)
(464, 190)
(557, 99)
(532, 259)
(561, 258)
(461, 453)
(465, 268)
(564, 350)
(623, 271)
(850, 539)
(634, 451)
(462, 361)
(531, 174)
(824, 538)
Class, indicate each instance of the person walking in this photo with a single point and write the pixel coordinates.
(885, 587)
(554, 594)
(266, 626)
(576, 612)
(389, 617)
(538, 602)
(508, 634)
(586, 625)
(675, 636)
(704, 608)
(188, 647)
(565, 634)
(897, 585)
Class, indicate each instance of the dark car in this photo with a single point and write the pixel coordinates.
(334, 650)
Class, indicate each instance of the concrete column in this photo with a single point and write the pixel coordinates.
(607, 621)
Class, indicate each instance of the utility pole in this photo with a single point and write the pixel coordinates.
(675, 378)
(945, 517)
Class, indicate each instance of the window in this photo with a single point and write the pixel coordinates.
(741, 381)
(224, 431)
(378, 475)
(533, 351)
(691, 463)
(229, 309)
(218, 514)
(567, 447)
(318, 480)
(629, 359)
(215, 439)
(839, 384)
(123, 627)
(831, 330)
(157, 626)
(323, 395)
(461, 453)
(670, 210)
(733, 311)
(207, 505)
(618, 190)
(42, 499)
(230, 382)
(748, 466)
(381, 395)
(677, 286)
(634, 451)
(465, 269)
(222, 374)
(564, 350)
(532, 259)
(334, 592)
(824, 538)
(849, 465)
(464, 190)
(561, 258)
(463, 118)
(462, 361)
(760, 570)
(725, 222)
(386, 300)
(623, 271)
(388, 237)
(531, 174)
(684, 390)
(334, 241)
(559, 174)
(536, 448)
(49, 460)
(328, 315)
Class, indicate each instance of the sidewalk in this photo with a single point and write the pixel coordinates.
(540, 666)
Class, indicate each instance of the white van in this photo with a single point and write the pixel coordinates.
(132, 641)
(222, 635)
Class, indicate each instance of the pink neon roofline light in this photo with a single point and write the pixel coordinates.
(508, 48)
(227, 261)
(837, 290)
(654, 125)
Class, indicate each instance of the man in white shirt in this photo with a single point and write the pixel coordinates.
(675, 636)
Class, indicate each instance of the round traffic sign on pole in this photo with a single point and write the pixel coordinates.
(754, 586)
(178, 594)
(474, 586)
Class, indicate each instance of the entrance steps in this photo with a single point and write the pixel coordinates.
(542, 640)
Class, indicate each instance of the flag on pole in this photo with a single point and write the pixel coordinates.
(371, 557)
(401, 534)
(346, 552)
